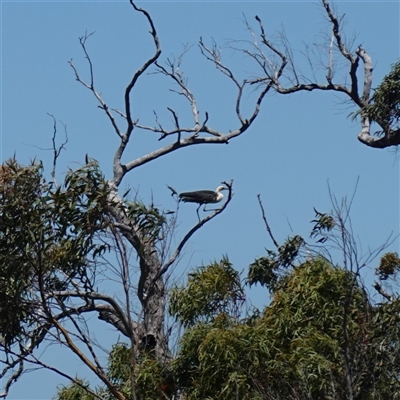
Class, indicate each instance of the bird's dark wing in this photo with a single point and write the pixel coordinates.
(200, 196)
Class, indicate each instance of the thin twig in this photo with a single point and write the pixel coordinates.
(266, 222)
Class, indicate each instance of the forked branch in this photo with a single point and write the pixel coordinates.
(91, 85)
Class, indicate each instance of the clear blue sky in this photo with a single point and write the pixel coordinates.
(297, 144)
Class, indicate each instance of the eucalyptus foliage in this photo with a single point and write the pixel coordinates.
(295, 348)
(210, 292)
(47, 239)
(385, 102)
(153, 381)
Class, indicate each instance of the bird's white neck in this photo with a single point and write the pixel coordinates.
(220, 196)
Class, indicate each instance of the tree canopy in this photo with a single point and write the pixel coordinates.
(295, 348)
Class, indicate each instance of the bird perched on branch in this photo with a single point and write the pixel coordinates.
(203, 197)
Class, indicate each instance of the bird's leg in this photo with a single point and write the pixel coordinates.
(211, 209)
(197, 211)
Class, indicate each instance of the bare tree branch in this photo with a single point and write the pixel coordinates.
(91, 86)
(57, 150)
(383, 292)
(266, 222)
(116, 309)
(13, 378)
(278, 69)
(87, 362)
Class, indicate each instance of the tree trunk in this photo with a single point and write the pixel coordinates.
(151, 287)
